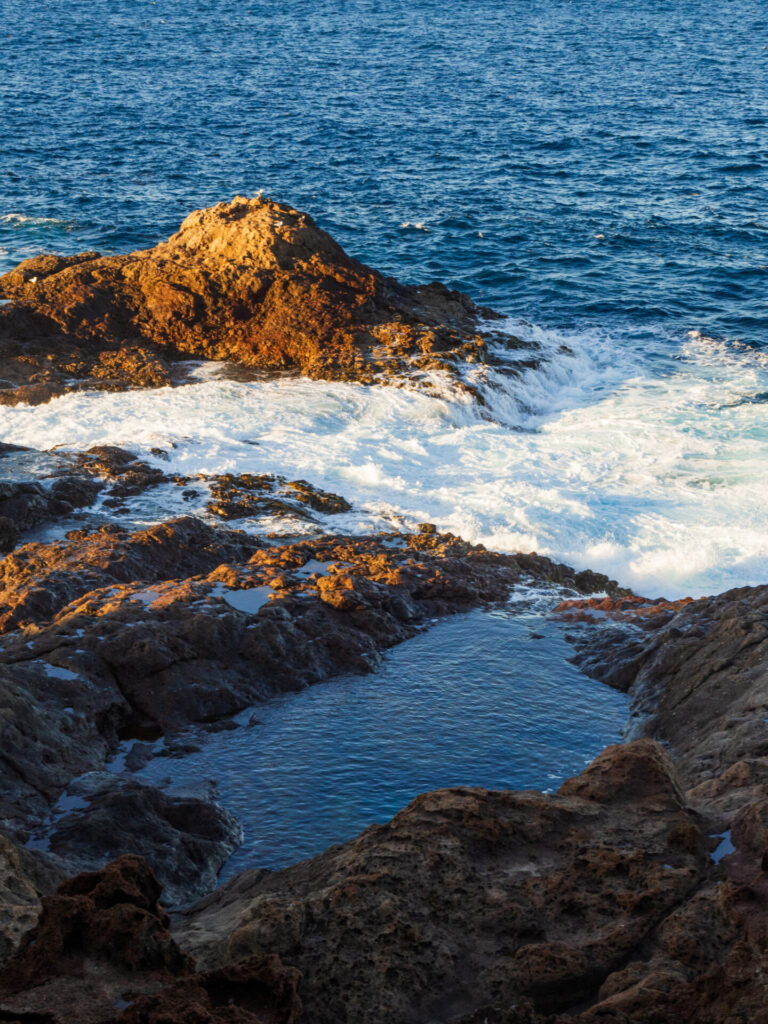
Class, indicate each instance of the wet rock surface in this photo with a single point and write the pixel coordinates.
(251, 281)
(187, 839)
(239, 496)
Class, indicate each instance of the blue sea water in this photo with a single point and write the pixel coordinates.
(514, 131)
(595, 169)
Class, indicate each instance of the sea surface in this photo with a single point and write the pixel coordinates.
(595, 170)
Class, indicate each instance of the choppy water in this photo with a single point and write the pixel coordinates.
(597, 169)
(484, 699)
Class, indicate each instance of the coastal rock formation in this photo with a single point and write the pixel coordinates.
(186, 839)
(56, 489)
(597, 903)
(472, 901)
(102, 944)
(237, 496)
(251, 281)
(111, 633)
(98, 936)
(698, 672)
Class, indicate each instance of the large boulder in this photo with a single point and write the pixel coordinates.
(252, 281)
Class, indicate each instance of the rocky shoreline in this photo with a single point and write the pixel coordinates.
(636, 893)
(602, 901)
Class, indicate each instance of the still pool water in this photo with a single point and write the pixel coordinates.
(483, 699)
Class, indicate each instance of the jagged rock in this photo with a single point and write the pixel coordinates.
(252, 281)
(259, 991)
(239, 496)
(698, 672)
(470, 899)
(186, 840)
(100, 935)
(24, 505)
(38, 580)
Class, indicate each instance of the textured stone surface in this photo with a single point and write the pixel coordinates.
(251, 281)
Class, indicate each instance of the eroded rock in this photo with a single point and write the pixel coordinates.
(251, 281)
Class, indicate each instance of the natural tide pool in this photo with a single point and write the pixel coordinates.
(487, 698)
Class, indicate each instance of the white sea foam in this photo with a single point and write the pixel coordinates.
(23, 220)
(609, 456)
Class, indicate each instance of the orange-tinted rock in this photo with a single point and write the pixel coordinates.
(629, 608)
(251, 281)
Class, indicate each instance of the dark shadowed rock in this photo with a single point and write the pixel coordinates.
(99, 934)
(24, 878)
(470, 899)
(186, 840)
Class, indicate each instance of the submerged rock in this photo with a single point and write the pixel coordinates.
(251, 281)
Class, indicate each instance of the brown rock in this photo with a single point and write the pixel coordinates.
(252, 281)
(113, 914)
(255, 991)
(470, 899)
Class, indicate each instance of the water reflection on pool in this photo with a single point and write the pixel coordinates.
(482, 699)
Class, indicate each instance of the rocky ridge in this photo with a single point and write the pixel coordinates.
(252, 281)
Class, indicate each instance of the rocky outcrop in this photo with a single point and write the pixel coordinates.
(243, 495)
(470, 902)
(597, 903)
(112, 633)
(102, 952)
(251, 281)
(50, 488)
(186, 839)
(698, 675)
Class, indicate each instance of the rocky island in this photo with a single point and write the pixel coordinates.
(638, 892)
(251, 281)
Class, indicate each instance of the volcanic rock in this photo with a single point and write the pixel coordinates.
(99, 936)
(251, 281)
(247, 494)
(24, 878)
(469, 899)
(187, 840)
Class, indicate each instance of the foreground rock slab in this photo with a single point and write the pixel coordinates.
(597, 903)
(251, 281)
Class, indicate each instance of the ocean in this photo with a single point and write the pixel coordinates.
(596, 171)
